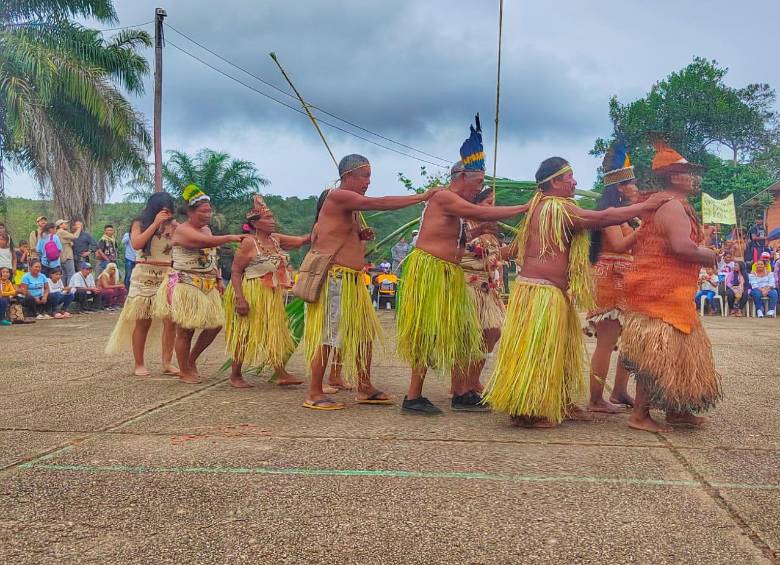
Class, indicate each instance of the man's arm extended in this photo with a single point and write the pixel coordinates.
(589, 219)
(453, 204)
(354, 201)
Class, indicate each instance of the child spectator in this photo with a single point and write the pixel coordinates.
(762, 284)
(35, 288)
(87, 293)
(22, 260)
(7, 295)
(112, 290)
(61, 295)
(708, 287)
(49, 249)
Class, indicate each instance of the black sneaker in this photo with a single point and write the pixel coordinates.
(420, 405)
(469, 402)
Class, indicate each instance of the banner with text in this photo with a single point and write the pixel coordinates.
(718, 211)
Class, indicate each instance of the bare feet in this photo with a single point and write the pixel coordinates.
(338, 383)
(171, 370)
(239, 382)
(329, 389)
(577, 414)
(141, 371)
(287, 379)
(624, 399)
(189, 378)
(647, 424)
(686, 419)
(604, 407)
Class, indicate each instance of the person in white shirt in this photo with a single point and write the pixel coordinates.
(762, 284)
(61, 295)
(87, 292)
(708, 288)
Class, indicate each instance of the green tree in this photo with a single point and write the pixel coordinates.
(229, 182)
(62, 114)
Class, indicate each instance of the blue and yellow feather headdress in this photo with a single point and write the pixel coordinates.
(472, 154)
(617, 165)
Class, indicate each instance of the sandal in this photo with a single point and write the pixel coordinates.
(323, 404)
(376, 398)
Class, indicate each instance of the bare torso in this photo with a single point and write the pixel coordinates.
(337, 224)
(553, 267)
(440, 232)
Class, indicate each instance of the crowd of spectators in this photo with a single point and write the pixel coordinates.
(50, 274)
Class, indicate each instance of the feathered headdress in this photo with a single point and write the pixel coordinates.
(192, 194)
(472, 154)
(259, 209)
(667, 160)
(617, 165)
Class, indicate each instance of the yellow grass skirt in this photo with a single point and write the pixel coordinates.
(541, 357)
(145, 282)
(262, 337)
(189, 306)
(343, 317)
(677, 368)
(437, 321)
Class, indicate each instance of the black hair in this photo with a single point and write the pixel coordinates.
(610, 198)
(108, 226)
(49, 226)
(56, 271)
(549, 167)
(483, 195)
(5, 269)
(156, 202)
(320, 204)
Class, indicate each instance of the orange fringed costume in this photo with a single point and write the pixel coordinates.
(608, 278)
(663, 343)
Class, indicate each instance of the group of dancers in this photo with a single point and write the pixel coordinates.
(450, 313)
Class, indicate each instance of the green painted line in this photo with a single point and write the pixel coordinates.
(385, 473)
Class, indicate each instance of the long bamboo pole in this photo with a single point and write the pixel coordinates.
(305, 107)
(159, 16)
(498, 94)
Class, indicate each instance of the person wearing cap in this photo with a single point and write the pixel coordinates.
(437, 322)
(415, 235)
(385, 286)
(41, 222)
(151, 233)
(764, 258)
(540, 368)
(256, 329)
(192, 294)
(610, 255)
(342, 320)
(663, 344)
(763, 286)
(67, 260)
(87, 291)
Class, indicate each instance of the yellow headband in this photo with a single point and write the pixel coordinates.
(564, 169)
(354, 169)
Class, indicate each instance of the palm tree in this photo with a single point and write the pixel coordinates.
(229, 182)
(62, 114)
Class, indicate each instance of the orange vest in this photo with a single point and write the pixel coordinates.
(659, 285)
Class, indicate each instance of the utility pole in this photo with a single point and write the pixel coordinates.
(159, 40)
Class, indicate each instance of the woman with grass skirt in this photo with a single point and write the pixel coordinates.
(151, 234)
(192, 293)
(256, 329)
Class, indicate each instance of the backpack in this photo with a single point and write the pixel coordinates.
(51, 250)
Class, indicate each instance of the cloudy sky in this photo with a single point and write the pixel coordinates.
(416, 72)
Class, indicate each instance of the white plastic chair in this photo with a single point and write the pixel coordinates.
(717, 297)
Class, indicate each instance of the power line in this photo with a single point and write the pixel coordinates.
(126, 27)
(286, 93)
(298, 110)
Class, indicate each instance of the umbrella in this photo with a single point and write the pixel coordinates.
(774, 234)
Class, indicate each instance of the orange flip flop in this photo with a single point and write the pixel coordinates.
(375, 399)
(324, 404)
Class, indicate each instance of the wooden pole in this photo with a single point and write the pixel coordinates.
(305, 107)
(159, 16)
(498, 94)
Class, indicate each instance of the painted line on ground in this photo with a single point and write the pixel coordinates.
(385, 473)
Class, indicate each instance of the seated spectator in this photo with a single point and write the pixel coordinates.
(49, 249)
(87, 292)
(762, 285)
(766, 260)
(112, 289)
(708, 287)
(35, 288)
(22, 260)
(7, 295)
(61, 295)
(736, 293)
(726, 261)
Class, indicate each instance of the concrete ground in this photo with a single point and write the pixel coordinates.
(97, 466)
